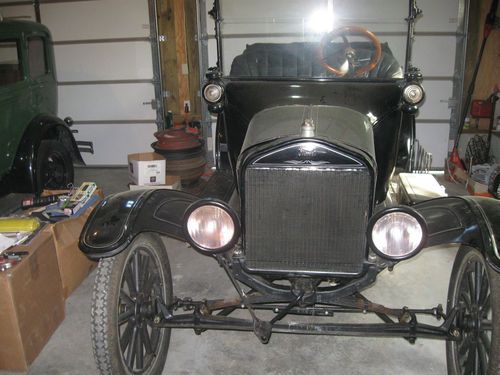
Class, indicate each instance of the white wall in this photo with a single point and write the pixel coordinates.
(104, 69)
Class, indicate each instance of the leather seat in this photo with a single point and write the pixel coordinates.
(301, 60)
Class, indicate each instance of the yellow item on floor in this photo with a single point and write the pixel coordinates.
(12, 225)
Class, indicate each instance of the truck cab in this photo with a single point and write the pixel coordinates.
(37, 149)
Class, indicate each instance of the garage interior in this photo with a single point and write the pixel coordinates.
(127, 69)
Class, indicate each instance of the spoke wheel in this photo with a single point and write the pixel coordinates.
(127, 290)
(474, 291)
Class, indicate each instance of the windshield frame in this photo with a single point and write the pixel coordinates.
(408, 69)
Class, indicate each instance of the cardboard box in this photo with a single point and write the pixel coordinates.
(477, 188)
(418, 187)
(483, 123)
(74, 266)
(171, 182)
(147, 168)
(31, 303)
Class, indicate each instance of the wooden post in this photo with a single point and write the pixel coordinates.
(179, 56)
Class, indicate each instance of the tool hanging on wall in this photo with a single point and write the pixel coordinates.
(489, 25)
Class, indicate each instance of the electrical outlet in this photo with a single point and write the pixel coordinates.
(187, 106)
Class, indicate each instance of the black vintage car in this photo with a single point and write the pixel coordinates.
(312, 127)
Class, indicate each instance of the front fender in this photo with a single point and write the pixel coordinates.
(472, 221)
(115, 222)
(40, 128)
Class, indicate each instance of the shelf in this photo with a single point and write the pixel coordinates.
(480, 131)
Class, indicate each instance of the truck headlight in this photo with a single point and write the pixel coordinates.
(211, 226)
(397, 233)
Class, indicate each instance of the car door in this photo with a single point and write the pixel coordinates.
(14, 96)
(41, 77)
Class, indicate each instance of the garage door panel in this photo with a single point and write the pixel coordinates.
(97, 19)
(22, 12)
(435, 55)
(124, 138)
(367, 13)
(434, 139)
(110, 61)
(438, 15)
(107, 102)
(436, 100)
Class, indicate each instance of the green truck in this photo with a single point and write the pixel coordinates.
(37, 149)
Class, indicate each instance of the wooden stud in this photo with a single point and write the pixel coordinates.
(179, 56)
(166, 26)
(193, 57)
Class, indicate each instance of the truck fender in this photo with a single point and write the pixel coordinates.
(472, 221)
(119, 218)
(40, 128)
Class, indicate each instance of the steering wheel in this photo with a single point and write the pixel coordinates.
(349, 52)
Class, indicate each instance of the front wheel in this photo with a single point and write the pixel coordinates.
(475, 291)
(125, 300)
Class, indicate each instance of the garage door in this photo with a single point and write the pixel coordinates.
(434, 48)
(105, 71)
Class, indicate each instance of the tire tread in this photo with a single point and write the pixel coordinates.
(100, 346)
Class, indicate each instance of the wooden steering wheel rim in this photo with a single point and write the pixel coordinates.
(350, 30)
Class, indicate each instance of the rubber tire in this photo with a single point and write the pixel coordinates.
(107, 354)
(53, 148)
(464, 255)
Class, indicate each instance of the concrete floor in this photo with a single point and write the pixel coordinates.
(419, 283)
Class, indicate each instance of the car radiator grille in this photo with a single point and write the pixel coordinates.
(300, 219)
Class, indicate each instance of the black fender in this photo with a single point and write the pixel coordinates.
(41, 128)
(406, 141)
(472, 221)
(115, 222)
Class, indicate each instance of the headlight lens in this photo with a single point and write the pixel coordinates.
(211, 227)
(397, 234)
(212, 93)
(413, 94)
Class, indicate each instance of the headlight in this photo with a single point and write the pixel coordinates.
(413, 94)
(211, 226)
(397, 233)
(213, 92)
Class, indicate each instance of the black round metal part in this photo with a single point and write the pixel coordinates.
(54, 166)
(215, 108)
(403, 209)
(410, 109)
(213, 73)
(472, 290)
(228, 210)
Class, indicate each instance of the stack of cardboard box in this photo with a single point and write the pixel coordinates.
(32, 293)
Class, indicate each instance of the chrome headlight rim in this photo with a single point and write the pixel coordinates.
(219, 97)
(219, 204)
(406, 96)
(399, 209)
